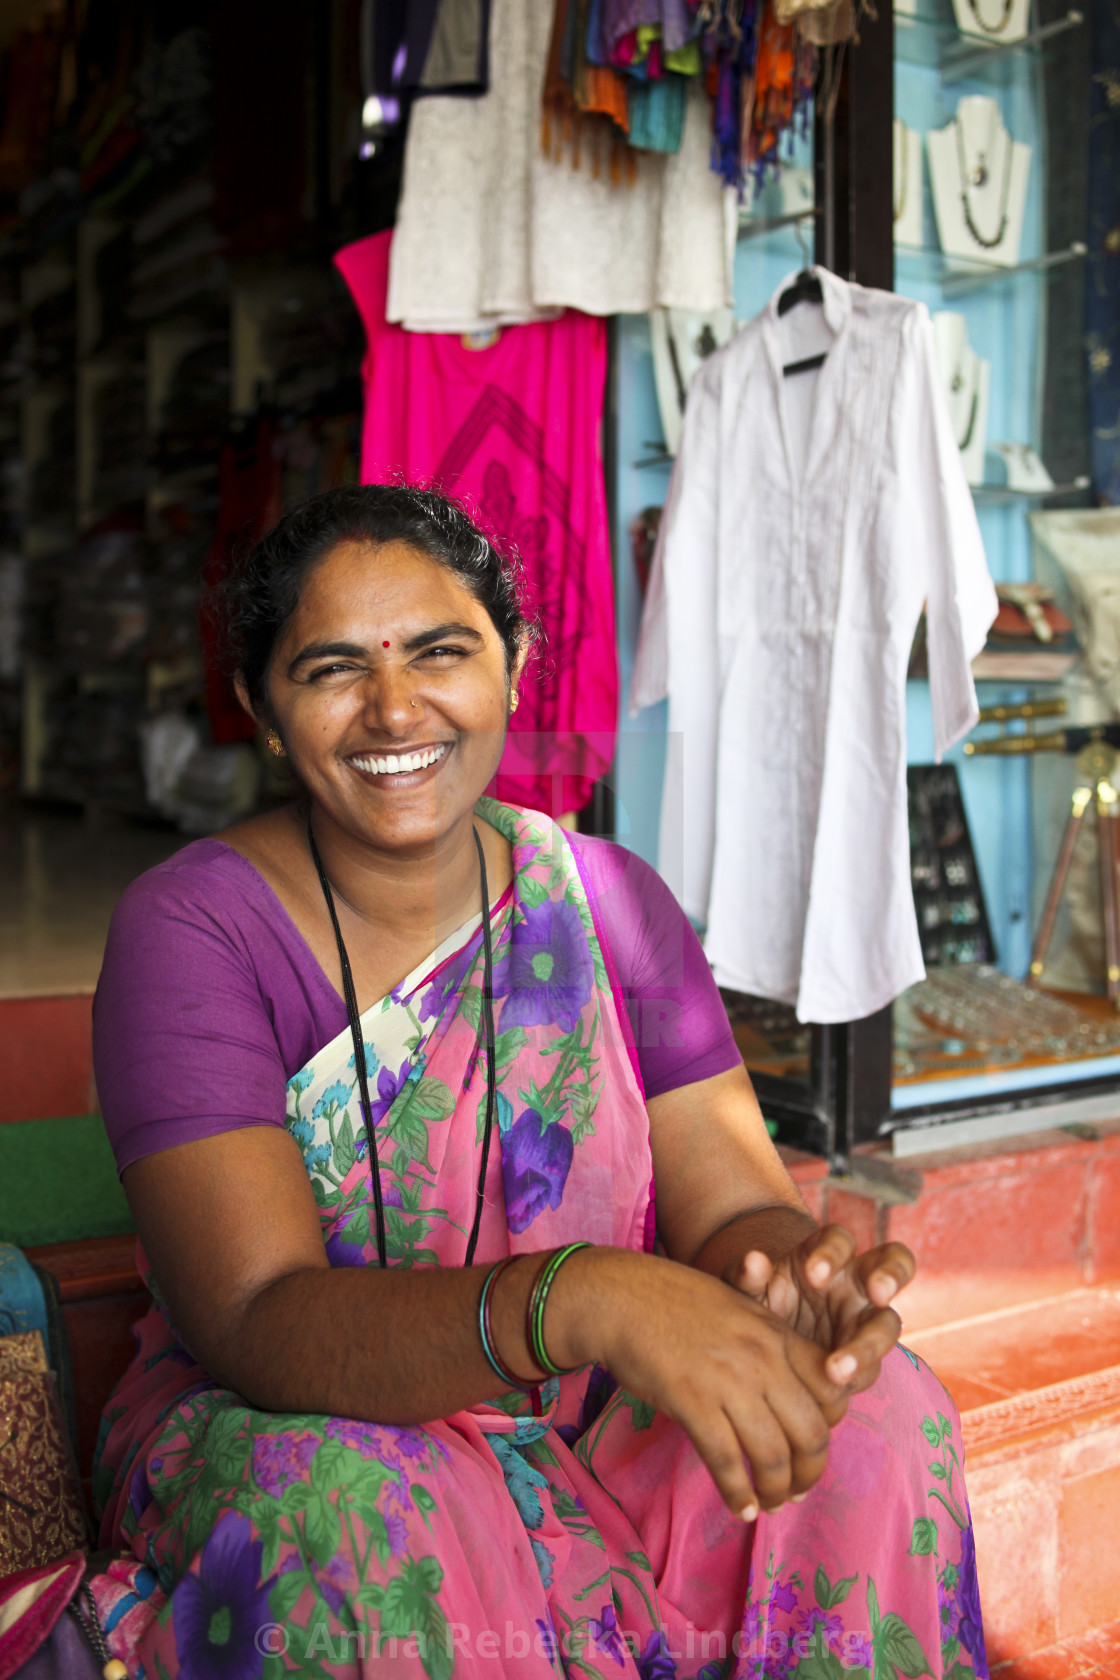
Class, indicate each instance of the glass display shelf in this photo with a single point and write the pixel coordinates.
(956, 276)
(1002, 495)
(753, 227)
(938, 43)
(659, 456)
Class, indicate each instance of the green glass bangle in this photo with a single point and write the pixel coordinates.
(538, 1299)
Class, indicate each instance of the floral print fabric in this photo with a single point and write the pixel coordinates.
(578, 1536)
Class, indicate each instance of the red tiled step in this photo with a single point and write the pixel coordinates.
(1038, 1386)
(1083, 1658)
(48, 1057)
(994, 1224)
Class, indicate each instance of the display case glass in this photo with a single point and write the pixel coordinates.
(1017, 907)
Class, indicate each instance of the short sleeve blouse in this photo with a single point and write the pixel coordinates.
(210, 999)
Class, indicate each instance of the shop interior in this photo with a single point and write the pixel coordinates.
(182, 361)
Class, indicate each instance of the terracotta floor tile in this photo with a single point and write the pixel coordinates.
(967, 1388)
(1058, 1662)
(1024, 1348)
(1100, 1647)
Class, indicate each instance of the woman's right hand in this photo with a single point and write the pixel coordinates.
(751, 1394)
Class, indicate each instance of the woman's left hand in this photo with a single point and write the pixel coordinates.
(827, 1292)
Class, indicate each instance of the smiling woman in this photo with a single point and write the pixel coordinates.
(353, 1046)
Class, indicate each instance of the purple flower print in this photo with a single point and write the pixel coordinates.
(360, 1437)
(337, 1579)
(219, 1611)
(280, 1460)
(397, 1531)
(857, 1651)
(410, 1443)
(782, 1596)
(534, 1168)
(548, 972)
(448, 981)
(548, 1640)
(971, 1629)
(389, 1087)
(949, 1610)
(139, 1492)
(655, 1663)
(343, 1253)
(605, 1634)
(600, 1386)
(810, 1620)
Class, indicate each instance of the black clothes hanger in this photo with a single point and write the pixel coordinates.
(805, 288)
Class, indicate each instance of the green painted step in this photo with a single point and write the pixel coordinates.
(58, 1182)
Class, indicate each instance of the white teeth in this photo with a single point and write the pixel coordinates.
(400, 764)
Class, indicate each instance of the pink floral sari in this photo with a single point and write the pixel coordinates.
(586, 1540)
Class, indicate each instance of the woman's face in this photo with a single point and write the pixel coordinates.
(388, 688)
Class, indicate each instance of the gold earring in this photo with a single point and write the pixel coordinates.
(412, 702)
(274, 744)
(515, 701)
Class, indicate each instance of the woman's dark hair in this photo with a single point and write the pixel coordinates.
(264, 590)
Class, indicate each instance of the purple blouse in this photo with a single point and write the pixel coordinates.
(210, 998)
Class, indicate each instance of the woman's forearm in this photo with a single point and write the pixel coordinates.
(775, 1231)
(398, 1347)
(404, 1347)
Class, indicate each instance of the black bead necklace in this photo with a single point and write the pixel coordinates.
(981, 239)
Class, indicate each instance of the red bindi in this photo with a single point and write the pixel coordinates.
(384, 644)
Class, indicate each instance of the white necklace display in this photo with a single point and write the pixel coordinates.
(993, 20)
(979, 176)
(907, 158)
(965, 379)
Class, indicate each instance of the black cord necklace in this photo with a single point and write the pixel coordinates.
(351, 1000)
(981, 239)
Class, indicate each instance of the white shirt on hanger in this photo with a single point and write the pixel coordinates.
(808, 518)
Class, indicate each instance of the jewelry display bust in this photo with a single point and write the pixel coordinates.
(979, 178)
(965, 378)
(907, 185)
(993, 20)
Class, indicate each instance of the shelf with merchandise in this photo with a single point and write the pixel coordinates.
(938, 43)
(957, 278)
(1002, 495)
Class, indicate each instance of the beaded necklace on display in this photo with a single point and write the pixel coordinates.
(992, 28)
(981, 239)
